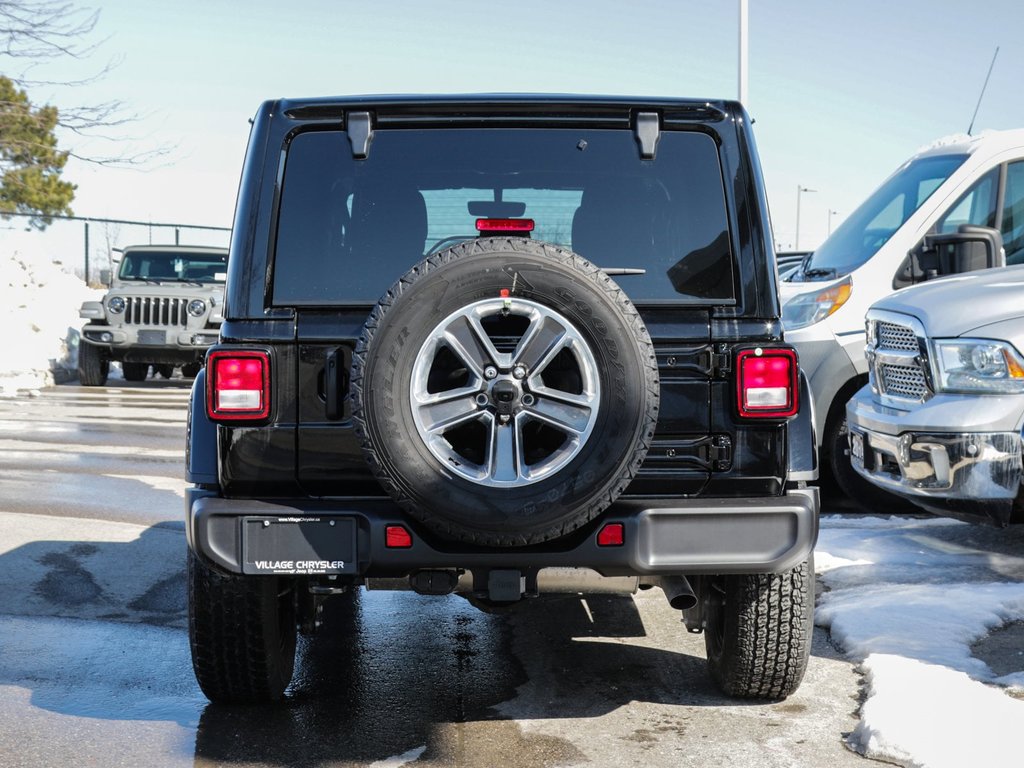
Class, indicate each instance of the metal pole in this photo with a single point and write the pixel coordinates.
(799, 188)
(796, 239)
(744, 39)
(177, 236)
(87, 253)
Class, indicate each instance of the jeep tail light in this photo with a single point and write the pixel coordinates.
(504, 225)
(238, 385)
(766, 383)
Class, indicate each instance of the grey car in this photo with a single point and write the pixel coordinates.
(940, 420)
(163, 309)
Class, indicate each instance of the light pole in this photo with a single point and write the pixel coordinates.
(743, 44)
(831, 213)
(800, 189)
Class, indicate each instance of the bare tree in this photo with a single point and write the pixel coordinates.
(36, 33)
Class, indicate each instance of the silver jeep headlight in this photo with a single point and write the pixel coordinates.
(978, 366)
(197, 307)
(115, 304)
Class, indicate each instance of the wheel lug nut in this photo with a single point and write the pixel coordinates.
(482, 399)
(519, 372)
(528, 399)
(490, 372)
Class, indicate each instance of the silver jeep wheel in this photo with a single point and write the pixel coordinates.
(505, 392)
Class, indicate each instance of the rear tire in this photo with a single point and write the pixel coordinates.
(93, 365)
(759, 631)
(135, 371)
(242, 631)
(166, 370)
(191, 370)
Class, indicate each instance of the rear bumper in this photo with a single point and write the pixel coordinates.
(681, 536)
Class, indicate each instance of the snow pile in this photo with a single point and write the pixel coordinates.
(907, 598)
(924, 715)
(39, 305)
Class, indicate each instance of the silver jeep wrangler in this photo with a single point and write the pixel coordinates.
(163, 309)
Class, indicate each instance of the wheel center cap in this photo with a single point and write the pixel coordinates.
(505, 397)
(504, 392)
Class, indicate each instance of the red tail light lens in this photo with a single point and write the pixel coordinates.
(767, 383)
(504, 225)
(238, 385)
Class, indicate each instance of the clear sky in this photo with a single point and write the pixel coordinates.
(841, 92)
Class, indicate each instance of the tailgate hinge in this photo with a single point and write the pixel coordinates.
(719, 361)
(719, 453)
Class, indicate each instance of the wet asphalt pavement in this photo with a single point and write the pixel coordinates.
(95, 668)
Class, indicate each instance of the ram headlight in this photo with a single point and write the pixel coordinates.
(197, 307)
(814, 306)
(978, 366)
(116, 305)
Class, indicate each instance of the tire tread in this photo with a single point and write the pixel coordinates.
(768, 632)
(236, 653)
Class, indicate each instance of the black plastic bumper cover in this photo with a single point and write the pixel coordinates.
(681, 536)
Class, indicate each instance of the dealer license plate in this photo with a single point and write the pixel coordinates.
(857, 448)
(299, 545)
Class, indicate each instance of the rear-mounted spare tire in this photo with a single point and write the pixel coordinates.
(505, 391)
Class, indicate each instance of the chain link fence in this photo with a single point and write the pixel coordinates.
(86, 246)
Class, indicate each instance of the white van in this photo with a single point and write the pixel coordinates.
(953, 207)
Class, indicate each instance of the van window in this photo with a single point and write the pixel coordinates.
(870, 226)
(1013, 214)
(347, 229)
(976, 206)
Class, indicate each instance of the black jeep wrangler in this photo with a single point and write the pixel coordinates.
(500, 346)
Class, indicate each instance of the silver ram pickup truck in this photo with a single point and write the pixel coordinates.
(940, 421)
(164, 308)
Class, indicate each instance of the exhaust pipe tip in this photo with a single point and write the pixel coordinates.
(683, 602)
(678, 591)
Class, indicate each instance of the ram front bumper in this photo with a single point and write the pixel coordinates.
(682, 536)
(949, 472)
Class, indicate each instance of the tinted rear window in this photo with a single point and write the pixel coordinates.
(347, 229)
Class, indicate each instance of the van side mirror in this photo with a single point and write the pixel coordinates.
(105, 277)
(968, 249)
(952, 253)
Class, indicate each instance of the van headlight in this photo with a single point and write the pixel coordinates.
(977, 366)
(814, 306)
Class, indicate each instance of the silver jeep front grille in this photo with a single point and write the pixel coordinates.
(153, 310)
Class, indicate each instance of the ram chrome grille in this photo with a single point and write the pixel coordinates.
(153, 310)
(896, 359)
(892, 336)
(902, 381)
